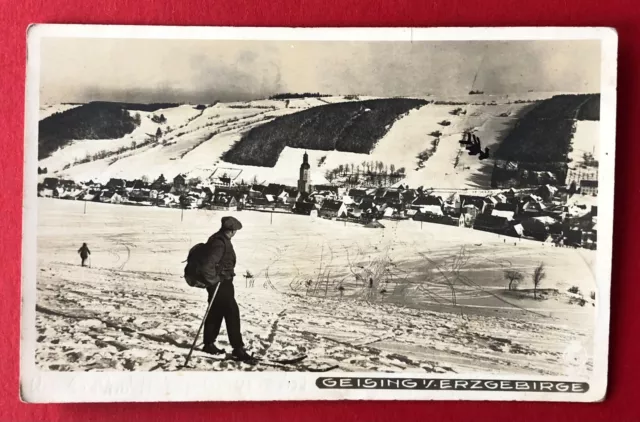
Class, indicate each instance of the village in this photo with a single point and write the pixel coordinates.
(554, 214)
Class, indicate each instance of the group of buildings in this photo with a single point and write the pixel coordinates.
(541, 213)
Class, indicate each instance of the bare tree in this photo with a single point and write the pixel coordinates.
(538, 276)
(514, 278)
(194, 181)
(329, 175)
(448, 271)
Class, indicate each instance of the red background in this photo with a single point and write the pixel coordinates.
(623, 392)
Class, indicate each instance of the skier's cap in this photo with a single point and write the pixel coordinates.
(230, 223)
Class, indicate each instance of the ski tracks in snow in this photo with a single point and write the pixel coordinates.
(99, 319)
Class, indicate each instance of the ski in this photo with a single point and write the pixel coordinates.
(288, 361)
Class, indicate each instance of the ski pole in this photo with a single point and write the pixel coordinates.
(195, 340)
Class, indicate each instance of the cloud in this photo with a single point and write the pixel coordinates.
(200, 71)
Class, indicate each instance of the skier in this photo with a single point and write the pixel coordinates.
(84, 253)
(221, 261)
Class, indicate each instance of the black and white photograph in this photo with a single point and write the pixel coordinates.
(289, 214)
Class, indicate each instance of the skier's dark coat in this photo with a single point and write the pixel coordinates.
(221, 255)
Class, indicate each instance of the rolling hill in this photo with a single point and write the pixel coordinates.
(265, 139)
(346, 127)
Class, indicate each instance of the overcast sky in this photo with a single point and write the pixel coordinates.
(195, 71)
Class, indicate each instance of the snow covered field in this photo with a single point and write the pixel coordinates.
(131, 310)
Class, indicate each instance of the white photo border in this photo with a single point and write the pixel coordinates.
(37, 386)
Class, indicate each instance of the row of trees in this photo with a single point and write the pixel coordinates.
(367, 172)
(514, 277)
(159, 119)
(285, 96)
(588, 160)
(427, 153)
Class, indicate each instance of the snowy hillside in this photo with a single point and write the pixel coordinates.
(193, 139)
(131, 310)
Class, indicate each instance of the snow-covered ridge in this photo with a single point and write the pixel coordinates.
(193, 140)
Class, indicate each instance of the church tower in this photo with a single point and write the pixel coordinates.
(303, 182)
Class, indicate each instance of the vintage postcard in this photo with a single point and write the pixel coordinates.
(222, 214)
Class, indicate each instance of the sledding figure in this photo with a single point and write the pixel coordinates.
(84, 253)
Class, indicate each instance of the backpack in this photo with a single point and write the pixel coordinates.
(192, 275)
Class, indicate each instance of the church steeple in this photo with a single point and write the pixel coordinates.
(303, 182)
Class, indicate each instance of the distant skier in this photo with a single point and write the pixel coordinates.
(370, 282)
(84, 253)
(221, 261)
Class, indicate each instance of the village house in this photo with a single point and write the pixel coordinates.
(536, 227)
(335, 192)
(533, 208)
(468, 214)
(589, 187)
(140, 195)
(276, 193)
(136, 184)
(353, 211)
(489, 203)
(116, 184)
(451, 205)
(223, 181)
(510, 194)
(168, 200)
(368, 207)
(492, 223)
(179, 184)
(89, 194)
(500, 198)
(429, 204)
(259, 202)
(109, 196)
(332, 209)
(546, 192)
(50, 183)
(393, 198)
(505, 210)
(67, 184)
(408, 195)
(475, 201)
(71, 193)
(292, 195)
(356, 195)
(539, 177)
(304, 208)
(255, 191)
(223, 202)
